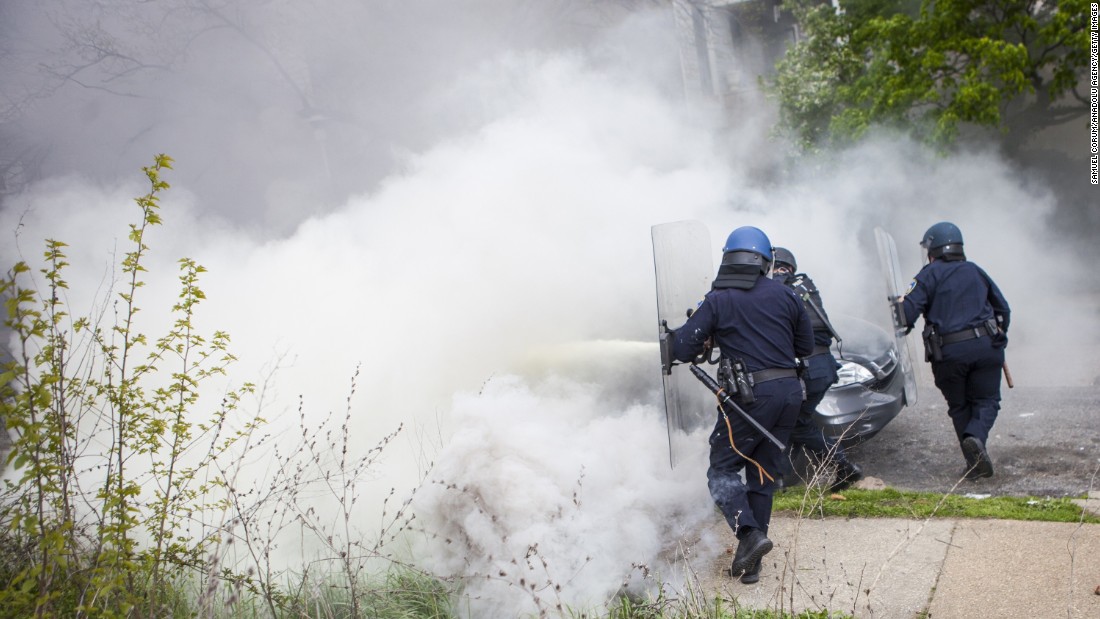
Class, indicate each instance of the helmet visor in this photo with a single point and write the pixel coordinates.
(925, 242)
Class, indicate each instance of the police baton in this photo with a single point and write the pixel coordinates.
(1008, 375)
(725, 400)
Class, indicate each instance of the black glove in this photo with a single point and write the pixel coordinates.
(1000, 339)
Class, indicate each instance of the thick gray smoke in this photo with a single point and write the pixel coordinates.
(276, 111)
(472, 231)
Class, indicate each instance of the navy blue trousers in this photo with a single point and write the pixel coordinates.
(969, 377)
(749, 503)
(820, 374)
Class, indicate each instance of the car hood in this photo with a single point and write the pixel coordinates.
(861, 337)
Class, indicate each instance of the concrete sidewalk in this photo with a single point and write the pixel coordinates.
(898, 568)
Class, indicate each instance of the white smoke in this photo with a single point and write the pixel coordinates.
(495, 286)
(551, 495)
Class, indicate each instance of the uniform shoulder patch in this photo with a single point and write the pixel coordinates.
(912, 285)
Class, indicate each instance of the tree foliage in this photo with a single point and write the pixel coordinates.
(932, 68)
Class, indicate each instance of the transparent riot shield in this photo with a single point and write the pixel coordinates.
(684, 272)
(895, 287)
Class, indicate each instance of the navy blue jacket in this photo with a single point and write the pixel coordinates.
(953, 296)
(766, 326)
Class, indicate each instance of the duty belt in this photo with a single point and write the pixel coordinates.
(819, 350)
(961, 336)
(764, 376)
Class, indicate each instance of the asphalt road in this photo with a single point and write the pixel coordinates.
(1046, 442)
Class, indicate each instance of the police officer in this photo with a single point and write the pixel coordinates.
(966, 321)
(818, 374)
(761, 324)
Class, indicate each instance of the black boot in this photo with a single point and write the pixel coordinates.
(846, 475)
(978, 464)
(752, 576)
(749, 552)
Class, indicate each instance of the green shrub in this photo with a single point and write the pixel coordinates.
(111, 462)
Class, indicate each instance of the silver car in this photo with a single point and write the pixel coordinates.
(871, 389)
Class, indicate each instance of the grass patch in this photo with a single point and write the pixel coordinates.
(890, 503)
(713, 608)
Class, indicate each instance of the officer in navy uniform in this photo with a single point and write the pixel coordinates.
(966, 324)
(818, 374)
(763, 324)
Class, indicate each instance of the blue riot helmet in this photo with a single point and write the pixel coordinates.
(943, 240)
(784, 257)
(748, 245)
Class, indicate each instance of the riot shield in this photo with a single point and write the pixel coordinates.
(684, 271)
(895, 287)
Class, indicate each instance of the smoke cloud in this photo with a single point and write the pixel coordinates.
(466, 220)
